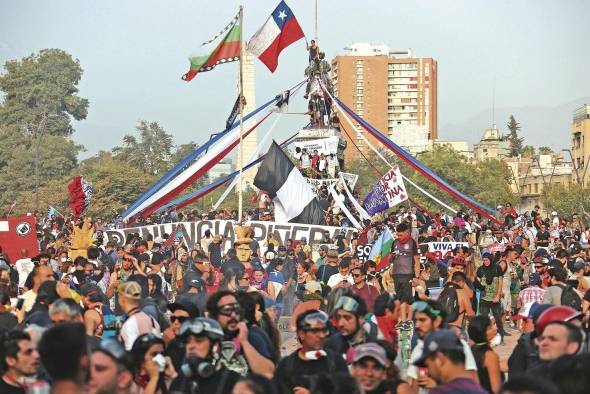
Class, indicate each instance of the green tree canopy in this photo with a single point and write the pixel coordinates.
(151, 152)
(515, 141)
(39, 102)
(41, 90)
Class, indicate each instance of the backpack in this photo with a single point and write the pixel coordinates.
(570, 298)
(450, 302)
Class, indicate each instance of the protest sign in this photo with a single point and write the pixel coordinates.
(192, 232)
(16, 234)
(387, 192)
(326, 146)
(444, 250)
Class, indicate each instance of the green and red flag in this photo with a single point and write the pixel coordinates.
(223, 48)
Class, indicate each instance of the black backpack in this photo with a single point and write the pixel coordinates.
(570, 298)
(450, 302)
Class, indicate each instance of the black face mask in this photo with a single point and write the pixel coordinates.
(197, 368)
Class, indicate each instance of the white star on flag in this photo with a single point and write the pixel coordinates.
(282, 15)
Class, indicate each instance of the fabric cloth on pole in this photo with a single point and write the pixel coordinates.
(279, 177)
(178, 168)
(338, 198)
(417, 165)
(364, 215)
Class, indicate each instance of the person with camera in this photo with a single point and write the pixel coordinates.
(247, 348)
(202, 370)
(298, 371)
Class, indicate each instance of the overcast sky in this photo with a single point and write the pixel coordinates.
(134, 52)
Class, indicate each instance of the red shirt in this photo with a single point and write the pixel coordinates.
(368, 293)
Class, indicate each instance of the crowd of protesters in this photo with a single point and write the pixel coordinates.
(153, 316)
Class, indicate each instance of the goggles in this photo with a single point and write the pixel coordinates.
(146, 338)
(312, 320)
(200, 327)
(227, 310)
(349, 304)
(423, 307)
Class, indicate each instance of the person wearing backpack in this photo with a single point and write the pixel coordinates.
(560, 293)
(455, 301)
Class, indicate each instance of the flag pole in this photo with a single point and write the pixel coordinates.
(315, 36)
(241, 93)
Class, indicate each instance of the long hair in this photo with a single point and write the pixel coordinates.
(478, 326)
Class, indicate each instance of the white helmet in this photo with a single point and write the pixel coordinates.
(553, 213)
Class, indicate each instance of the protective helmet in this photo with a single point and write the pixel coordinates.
(556, 313)
(202, 326)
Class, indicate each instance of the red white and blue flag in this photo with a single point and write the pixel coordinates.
(280, 30)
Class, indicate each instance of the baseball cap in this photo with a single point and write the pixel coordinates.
(578, 265)
(535, 279)
(185, 305)
(313, 286)
(438, 341)
(371, 350)
(131, 290)
(196, 283)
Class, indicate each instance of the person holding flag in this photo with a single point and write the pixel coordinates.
(405, 267)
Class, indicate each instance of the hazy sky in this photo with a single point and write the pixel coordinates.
(134, 52)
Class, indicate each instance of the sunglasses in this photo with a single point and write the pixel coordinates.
(245, 278)
(538, 267)
(357, 275)
(146, 338)
(180, 319)
(228, 310)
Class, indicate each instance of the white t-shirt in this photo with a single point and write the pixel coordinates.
(24, 268)
(138, 324)
(337, 278)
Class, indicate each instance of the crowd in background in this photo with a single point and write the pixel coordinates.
(157, 315)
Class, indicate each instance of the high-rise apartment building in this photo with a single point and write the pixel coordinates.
(393, 91)
(581, 141)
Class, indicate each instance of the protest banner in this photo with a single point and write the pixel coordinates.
(387, 192)
(192, 232)
(16, 234)
(326, 146)
(363, 251)
(444, 250)
(318, 183)
(496, 248)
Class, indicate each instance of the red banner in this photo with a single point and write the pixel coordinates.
(16, 234)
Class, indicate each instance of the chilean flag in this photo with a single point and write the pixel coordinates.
(279, 31)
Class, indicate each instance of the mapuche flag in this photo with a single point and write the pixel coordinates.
(223, 48)
(280, 30)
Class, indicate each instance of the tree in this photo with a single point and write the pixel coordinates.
(515, 141)
(486, 182)
(43, 86)
(151, 153)
(545, 150)
(528, 151)
(182, 151)
(40, 99)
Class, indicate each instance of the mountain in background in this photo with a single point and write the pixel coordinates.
(540, 126)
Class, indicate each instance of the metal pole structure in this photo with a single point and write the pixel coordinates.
(516, 183)
(544, 184)
(315, 34)
(241, 95)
